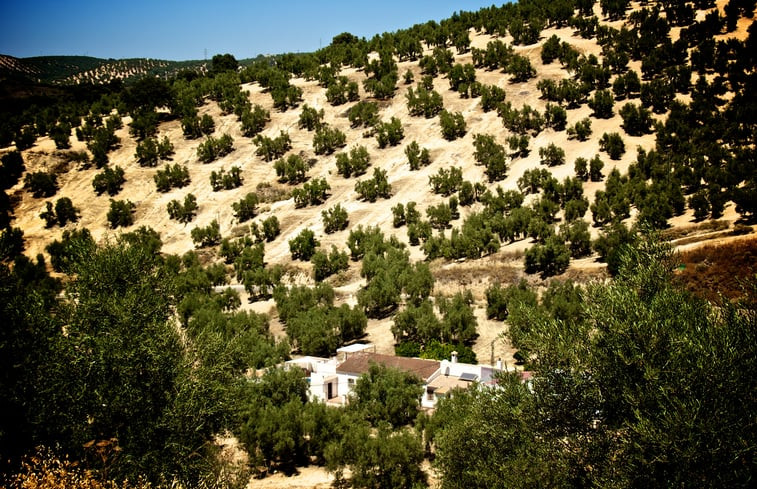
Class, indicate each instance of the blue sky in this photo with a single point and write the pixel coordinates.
(181, 30)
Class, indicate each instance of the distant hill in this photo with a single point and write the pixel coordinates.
(74, 70)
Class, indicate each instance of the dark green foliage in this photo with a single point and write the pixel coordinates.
(551, 155)
(11, 170)
(204, 237)
(491, 97)
(354, 163)
(595, 168)
(310, 118)
(492, 155)
(313, 192)
(212, 148)
(462, 79)
(341, 90)
(327, 140)
(417, 156)
(206, 125)
(303, 245)
(183, 212)
(61, 135)
(363, 113)
(524, 121)
(271, 228)
(581, 130)
(446, 181)
(576, 233)
(75, 245)
(520, 69)
(382, 76)
(550, 50)
(378, 458)
(221, 180)
(254, 120)
(389, 133)
(555, 117)
(602, 104)
(25, 138)
(327, 264)
(580, 168)
(700, 204)
(627, 85)
(423, 102)
(375, 187)
(613, 145)
(109, 180)
(65, 211)
(387, 395)
(439, 215)
(334, 219)
(499, 301)
(41, 184)
(550, 258)
(271, 148)
(292, 169)
(453, 125)
(518, 144)
(150, 150)
(637, 120)
(611, 243)
(246, 208)
(172, 176)
(121, 213)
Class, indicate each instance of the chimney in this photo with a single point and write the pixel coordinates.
(454, 357)
(499, 364)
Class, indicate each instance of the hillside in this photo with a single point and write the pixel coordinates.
(504, 266)
(662, 176)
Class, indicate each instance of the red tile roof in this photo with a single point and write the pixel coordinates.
(359, 363)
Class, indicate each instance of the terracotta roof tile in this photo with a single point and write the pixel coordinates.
(359, 363)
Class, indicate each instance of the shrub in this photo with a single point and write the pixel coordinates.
(375, 187)
(389, 133)
(613, 145)
(491, 97)
(271, 148)
(310, 118)
(334, 219)
(423, 102)
(446, 181)
(11, 169)
(109, 180)
(518, 144)
(185, 212)
(417, 156)
(550, 258)
(207, 236)
(302, 247)
(271, 228)
(453, 125)
(41, 184)
(121, 213)
(172, 176)
(254, 120)
(490, 154)
(63, 212)
(292, 169)
(595, 169)
(364, 114)
(552, 155)
(325, 265)
(356, 162)
(212, 148)
(637, 120)
(246, 208)
(312, 193)
(581, 130)
(555, 117)
(327, 139)
(220, 180)
(602, 104)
